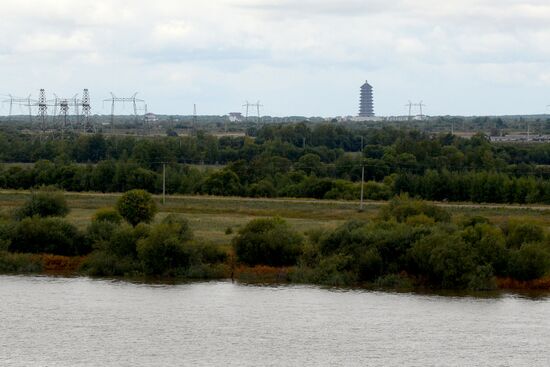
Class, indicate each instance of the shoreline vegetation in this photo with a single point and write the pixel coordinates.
(404, 244)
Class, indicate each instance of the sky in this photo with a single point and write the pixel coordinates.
(306, 57)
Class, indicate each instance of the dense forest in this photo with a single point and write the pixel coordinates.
(321, 161)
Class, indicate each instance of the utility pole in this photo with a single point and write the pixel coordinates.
(194, 115)
(362, 177)
(163, 183)
(362, 184)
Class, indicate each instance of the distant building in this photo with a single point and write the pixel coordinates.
(150, 117)
(235, 116)
(366, 106)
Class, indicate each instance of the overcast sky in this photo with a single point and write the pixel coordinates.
(298, 57)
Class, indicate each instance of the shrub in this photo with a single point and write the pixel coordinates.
(45, 202)
(180, 225)
(162, 251)
(444, 259)
(531, 261)
(99, 233)
(6, 233)
(401, 207)
(19, 263)
(520, 232)
(488, 243)
(123, 242)
(137, 206)
(268, 242)
(48, 235)
(101, 263)
(110, 215)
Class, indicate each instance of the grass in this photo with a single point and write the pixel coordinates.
(211, 216)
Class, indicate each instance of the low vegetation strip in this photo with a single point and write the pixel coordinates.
(406, 243)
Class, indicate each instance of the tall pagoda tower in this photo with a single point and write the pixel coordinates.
(366, 106)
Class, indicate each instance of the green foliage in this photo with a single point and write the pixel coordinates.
(99, 233)
(110, 215)
(488, 243)
(402, 207)
(163, 250)
(19, 263)
(44, 202)
(48, 235)
(520, 232)
(102, 263)
(180, 225)
(6, 233)
(531, 261)
(224, 183)
(268, 242)
(137, 206)
(445, 259)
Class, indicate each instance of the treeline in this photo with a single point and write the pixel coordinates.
(323, 161)
(270, 181)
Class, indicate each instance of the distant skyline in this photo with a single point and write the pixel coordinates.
(308, 57)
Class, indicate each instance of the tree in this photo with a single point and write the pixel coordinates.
(137, 206)
(224, 183)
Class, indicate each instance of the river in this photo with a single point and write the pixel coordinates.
(49, 321)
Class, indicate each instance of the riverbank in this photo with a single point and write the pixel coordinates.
(70, 266)
(403, 244)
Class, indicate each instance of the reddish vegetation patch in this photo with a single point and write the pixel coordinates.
(508, 283)
(55, 264)
(261, 273)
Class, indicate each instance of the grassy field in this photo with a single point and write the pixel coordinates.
(211, 216)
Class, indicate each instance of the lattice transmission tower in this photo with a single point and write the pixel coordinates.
(18, 101)
(133, 100)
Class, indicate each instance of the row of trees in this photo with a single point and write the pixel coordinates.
(278, 179)
(397, 148)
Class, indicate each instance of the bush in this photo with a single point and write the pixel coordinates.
(19, 263)
(48, 235)
(137, 206)
(402, 207)
(531, 261)
(101, 263)
(162, 252)
(268, 242)
(123, 242)
(99, 233)
(6, 233)
(110, 215)
(44, 202)
(444, 259)
(520, 232)
(488, 243)
(180, 225)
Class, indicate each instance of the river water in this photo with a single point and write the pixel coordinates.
(46, 321)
